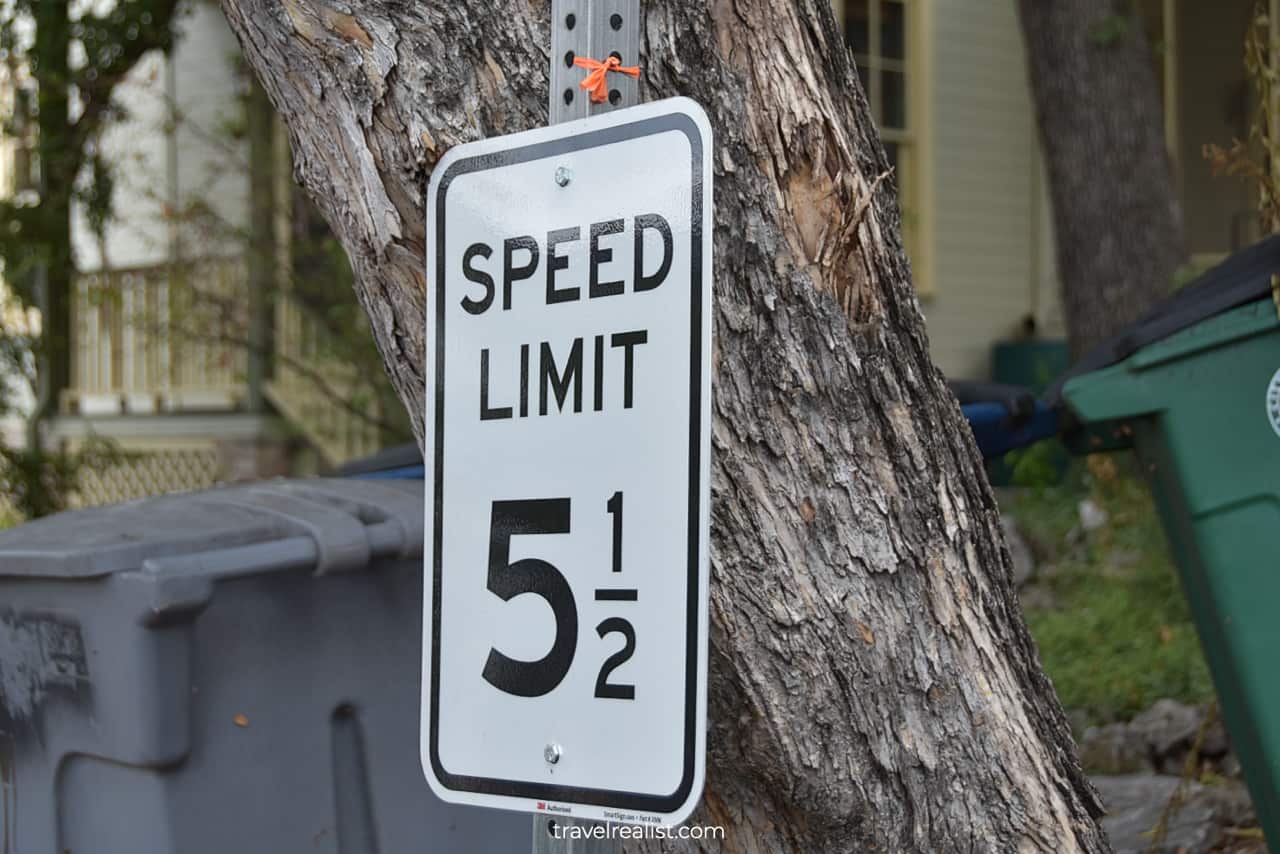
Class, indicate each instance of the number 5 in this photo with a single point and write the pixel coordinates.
(531, 575)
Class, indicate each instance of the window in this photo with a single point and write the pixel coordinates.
(879, 34)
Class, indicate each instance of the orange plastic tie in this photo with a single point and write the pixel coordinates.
(595, 82)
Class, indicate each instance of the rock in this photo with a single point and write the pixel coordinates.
(1158, 739)
(1168, 728)
(1216, 741)
(1136, 803)
(1230, 767)
(1231, 803)
(1092, 516)
(1024, 563)
(1112, 749)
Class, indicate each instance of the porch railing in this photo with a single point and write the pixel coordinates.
(170, 339)
(159, 339)
(322, 395)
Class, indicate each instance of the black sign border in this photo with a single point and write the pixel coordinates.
(636, 801)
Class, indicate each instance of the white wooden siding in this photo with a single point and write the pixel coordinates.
(157, 165)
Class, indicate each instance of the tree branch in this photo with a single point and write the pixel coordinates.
(115, 42)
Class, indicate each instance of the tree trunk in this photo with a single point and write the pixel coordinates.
(872, 683)
(58, 167)
(1116, 215)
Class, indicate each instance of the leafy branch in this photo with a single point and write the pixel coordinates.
(1240, 159)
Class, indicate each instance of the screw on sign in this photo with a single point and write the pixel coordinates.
(568, 444)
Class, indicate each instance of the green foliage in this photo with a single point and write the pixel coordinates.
(1111, 29)
(96, 194)
(40, 41)
(1255, 158)
(36, 40)
(64, 62)
(1186, 274)
(1036, 466)
(1116, 633)
(15, 364)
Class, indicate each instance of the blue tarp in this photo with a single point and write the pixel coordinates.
(401, 473)
(997, 431)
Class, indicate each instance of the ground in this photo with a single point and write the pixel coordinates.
(1105, 606)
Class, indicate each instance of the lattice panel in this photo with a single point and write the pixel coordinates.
(150, 473)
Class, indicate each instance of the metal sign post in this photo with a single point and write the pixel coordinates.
(594, 29)
(549, 838)
(568, 427)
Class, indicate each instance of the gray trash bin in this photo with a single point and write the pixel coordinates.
(226, 671)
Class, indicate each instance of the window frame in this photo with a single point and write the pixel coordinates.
(912, 138)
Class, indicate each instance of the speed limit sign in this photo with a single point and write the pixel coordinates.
(567, 447)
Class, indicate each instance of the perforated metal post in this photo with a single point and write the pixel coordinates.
(595, 29)
(547, 840)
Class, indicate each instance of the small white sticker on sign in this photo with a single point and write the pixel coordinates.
(567, 448)
(1273, 402)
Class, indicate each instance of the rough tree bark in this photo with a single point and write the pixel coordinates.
(1116, 215)
(873, 686)
(59, 165)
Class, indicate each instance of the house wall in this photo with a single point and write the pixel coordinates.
(172, 400)
(136, 148)
(990, 241)
(990, 237)
(985, 241)
(161, 163)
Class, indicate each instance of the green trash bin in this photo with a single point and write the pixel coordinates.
(1202, 409)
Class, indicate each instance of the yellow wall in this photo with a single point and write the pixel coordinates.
(987, 234)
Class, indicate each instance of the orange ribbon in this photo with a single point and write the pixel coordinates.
(595, 81)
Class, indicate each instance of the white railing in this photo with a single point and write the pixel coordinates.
(159, 339)
(318, 392)
(175, 339)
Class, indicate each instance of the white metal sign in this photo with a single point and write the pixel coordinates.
(567, 446)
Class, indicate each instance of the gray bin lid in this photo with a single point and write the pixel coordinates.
(346, 521)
